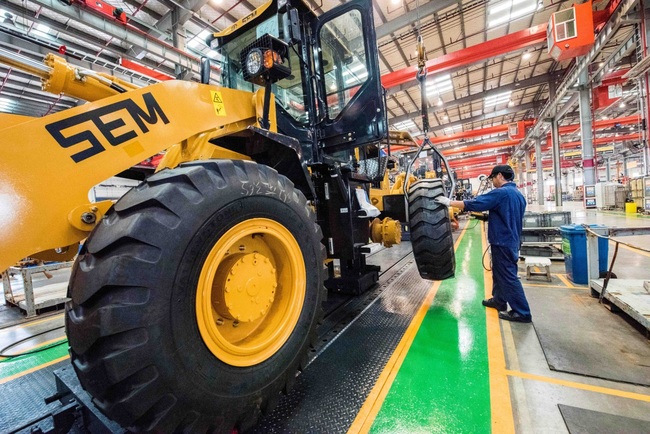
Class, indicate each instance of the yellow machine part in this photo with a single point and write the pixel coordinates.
(66, 78)
(387, 231)
(49, 164)
(251, 292)
(376, 194)
(397, 188)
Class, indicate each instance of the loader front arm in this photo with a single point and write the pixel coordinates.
(49, 164)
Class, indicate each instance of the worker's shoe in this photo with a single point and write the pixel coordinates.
(515, 317)
(491, 302)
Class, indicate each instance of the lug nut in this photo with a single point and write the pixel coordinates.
(89, 218)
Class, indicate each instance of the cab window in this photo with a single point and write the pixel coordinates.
(289, 92)
(344, 60)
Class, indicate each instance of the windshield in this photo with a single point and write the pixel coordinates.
(289, 92)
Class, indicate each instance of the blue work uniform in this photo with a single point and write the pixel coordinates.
(506, 206)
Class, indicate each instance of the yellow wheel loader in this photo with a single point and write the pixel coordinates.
(195, 298)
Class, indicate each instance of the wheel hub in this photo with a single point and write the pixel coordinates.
(250, 292)
(249, 289)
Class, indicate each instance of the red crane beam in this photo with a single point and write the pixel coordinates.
(460, 162)
(470, 55)
(600, 124)
(481, 52)
(481, 147)
(603, 140)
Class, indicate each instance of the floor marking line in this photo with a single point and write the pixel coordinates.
(564, 280)
(517, 384)
(375, 399)
(581, 386)
(635, 250)
(34, 369)
(500, 402)
(30, 324)
(38, 345)
(542, 285)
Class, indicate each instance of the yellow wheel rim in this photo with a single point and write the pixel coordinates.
(250, 292)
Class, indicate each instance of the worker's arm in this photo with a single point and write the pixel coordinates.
(457, 204)
(483, 202)
(447, 202)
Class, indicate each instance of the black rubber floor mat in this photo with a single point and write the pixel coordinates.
(329, 393)
(580, 336)
(582, 421)
(23, 400)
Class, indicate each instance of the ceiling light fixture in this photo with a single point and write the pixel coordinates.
(405, 125)
(497, 99)
(526, 55)
(439, 85)
(501, 12)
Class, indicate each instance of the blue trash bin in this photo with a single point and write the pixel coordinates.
(574, 247)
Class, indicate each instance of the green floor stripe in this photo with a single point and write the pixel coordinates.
(443, 383)
(16, 365)
(623, 213)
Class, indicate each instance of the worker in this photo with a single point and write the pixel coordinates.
(506, 206)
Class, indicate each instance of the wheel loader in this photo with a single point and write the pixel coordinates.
(194, 298)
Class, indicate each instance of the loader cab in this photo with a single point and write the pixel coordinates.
(327, 92)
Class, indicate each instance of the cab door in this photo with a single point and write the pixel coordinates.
(351, 102)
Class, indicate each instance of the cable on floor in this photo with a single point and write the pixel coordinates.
(487, 249)
(34, 351)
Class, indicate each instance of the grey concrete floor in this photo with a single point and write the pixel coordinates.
(536, 389)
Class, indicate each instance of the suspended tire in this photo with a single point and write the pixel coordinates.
(196, 299)
(431, 235)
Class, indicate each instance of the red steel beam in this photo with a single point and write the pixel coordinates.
(470, 55)
(480, 52)
(474, 172)
(478, 132)
(144, 70)
(481, 147)
(603, 123)
(603, 140)
(477, 160)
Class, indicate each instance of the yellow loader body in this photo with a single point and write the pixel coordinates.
(49, 164)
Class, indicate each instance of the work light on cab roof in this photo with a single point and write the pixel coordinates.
(266, 61)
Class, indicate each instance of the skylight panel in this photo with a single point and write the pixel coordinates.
(405, 125)
(494, 100)
(500, 12)
(452, 130)
(439, 85)
(198, 41)
(6, 105)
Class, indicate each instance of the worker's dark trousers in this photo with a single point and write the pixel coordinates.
(506, 286)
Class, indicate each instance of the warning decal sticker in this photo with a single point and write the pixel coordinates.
(217, 102)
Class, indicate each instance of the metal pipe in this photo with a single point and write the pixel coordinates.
(24, 63)
(555, 133)
(540, 171)
(527, 175)
(586, 126)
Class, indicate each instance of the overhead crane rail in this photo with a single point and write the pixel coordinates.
(549, 110)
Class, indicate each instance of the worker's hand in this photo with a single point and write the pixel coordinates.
(443, 200)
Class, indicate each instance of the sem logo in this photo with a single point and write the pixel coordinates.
(141, 117)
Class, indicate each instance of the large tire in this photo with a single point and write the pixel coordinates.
(431, 235)
(196, 299)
